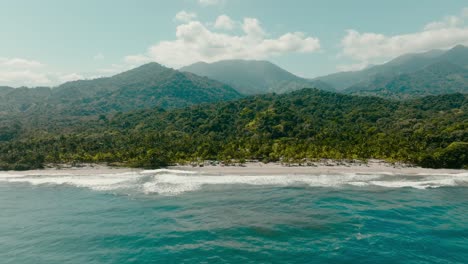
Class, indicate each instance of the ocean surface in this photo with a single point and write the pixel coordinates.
(168, 216)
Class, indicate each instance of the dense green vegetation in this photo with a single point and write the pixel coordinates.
(144, 87)
(438, 78)
(304, 125)
(410, 75)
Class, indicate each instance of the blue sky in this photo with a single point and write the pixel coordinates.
(51, 41)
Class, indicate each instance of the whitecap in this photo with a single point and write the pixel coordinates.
(173, 182)
(167, 171)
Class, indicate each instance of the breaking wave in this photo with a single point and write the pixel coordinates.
(173, 182)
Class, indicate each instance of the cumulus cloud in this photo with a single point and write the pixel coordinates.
(224, 22)
(252, 28)
(18, 72)
(19, 63)
(30, 78)
(195, 42)
(184, 16)
(465, 12)
(21, 72)
(377, 48)
(447, 22)
(70, 77)
(23, 78)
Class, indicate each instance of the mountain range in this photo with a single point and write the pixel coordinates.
(147, 86)
(441, 77)
(254, 77)
(429, 73)
(153, 85)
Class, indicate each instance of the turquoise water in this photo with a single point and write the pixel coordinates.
(177, 217)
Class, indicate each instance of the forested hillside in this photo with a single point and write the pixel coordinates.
(435, 79)
(253, 77)
(304, 125)
(408, 76)
(150, 85)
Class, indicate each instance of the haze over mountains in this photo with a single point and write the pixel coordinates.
(411, 75)
(254, 77)
(439, 78)
(430, 73)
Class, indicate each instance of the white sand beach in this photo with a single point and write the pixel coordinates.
(324, 167)
(253, 168)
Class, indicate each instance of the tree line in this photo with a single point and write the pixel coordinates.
(301, 126)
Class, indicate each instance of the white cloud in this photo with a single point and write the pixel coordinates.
(21, 72)
(224, 22)
(465, 12)
(18, 72)
(184, 16)
(23, 78)
(16, 78)
(70, 77)
(194, 42)
(447, 22)
(210, 2)
(252, 28)
(19, 63)
(377, 48)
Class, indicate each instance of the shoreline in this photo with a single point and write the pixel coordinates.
(321, 167)
(255, 168)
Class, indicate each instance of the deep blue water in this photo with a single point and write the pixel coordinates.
(261, 220)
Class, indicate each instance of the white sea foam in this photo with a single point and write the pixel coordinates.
(172, 182)
(167, 171)
(427, 182)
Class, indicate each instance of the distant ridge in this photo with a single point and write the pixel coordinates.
(254, 77)
(5, 90)
(428, 73)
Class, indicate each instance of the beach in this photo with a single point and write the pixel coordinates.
(252, 168)
(323, 167)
